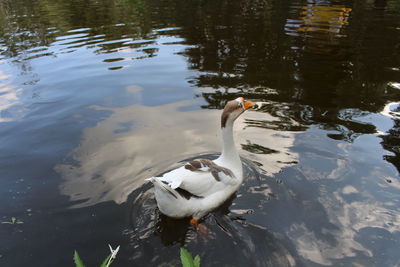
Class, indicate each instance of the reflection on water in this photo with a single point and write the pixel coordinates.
(95, 96)
(390, 139)
(9, 109)
(320, 25)
(329, 19)
(139, 157)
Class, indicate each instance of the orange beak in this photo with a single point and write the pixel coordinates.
(248, 104)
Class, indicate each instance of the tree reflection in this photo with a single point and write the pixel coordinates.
(321, 54)
(32, 24)
(323, 61)
(309, 62)
(391, 142)
(391, 139)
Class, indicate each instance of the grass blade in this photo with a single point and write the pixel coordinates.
(186, 258)
(77, 260)
(104, 264)
(196, 261)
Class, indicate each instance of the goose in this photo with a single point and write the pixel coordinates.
(201, 185)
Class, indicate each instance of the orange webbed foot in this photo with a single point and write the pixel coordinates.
(194, 222)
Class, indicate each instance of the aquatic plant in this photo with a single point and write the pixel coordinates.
(13, 221)
(106, 263)
(187, 259)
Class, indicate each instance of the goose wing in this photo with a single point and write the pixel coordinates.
(199, 178)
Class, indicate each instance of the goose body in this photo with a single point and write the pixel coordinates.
(201, 185)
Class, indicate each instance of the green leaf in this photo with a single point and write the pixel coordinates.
(13, 220)
(104, 264)
(20, 222)
(196, 261)
(186, 258)
(7, 222)
(77, 260)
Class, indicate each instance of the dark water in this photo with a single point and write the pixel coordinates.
(95, 96)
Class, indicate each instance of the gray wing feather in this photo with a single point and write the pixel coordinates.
(206, 165)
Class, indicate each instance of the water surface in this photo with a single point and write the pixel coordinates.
(95, 96)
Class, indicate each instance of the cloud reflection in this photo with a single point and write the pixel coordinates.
(10, 104)
(360, 201)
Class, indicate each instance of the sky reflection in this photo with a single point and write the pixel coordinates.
(11, 107)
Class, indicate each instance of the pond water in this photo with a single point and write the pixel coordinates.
(96, 96)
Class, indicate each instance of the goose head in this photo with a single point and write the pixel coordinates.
(233, 109)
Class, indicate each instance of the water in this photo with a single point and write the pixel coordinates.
(95, 96)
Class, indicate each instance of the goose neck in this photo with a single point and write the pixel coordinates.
(229, 152)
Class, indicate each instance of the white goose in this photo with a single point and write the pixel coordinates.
(201, 185)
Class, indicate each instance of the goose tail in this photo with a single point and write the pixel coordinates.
(162, 189)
